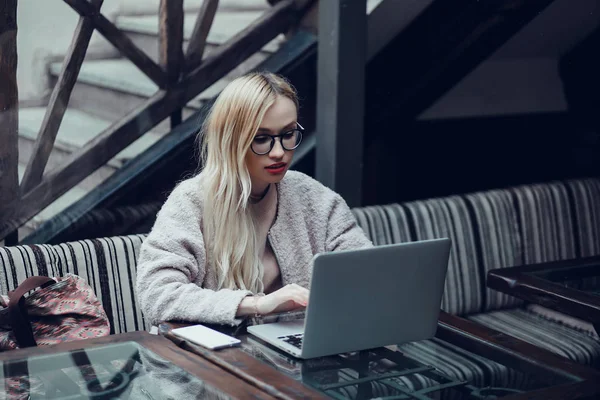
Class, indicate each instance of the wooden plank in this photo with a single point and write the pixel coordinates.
(9, 104)
(171, 46)
(59, 100)
(110, 142)
(197, 44)
(122, 42)
(171, 38)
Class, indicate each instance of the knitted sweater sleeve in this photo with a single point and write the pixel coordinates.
(171, 262)
(343, 232)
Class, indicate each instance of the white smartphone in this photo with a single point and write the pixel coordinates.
(206, 337)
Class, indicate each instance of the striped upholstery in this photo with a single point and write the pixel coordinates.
(108, 265)
(497, 231)
(533, 328)
(586, 193)
(384, 224)
(430, 219)
(449, 217)
(546, 222)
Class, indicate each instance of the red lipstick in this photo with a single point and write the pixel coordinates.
(276, 168)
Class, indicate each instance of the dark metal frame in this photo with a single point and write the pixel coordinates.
(527, 283)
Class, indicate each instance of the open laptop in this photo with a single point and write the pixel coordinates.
(367, 298)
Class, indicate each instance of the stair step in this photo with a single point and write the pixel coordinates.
(76, 130)
(111, 88)
(143, 7)
(143, 30)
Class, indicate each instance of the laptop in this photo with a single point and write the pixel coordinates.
(367, 298)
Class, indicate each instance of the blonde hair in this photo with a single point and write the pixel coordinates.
(229, 229)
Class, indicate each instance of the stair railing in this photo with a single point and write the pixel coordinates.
(180, 77)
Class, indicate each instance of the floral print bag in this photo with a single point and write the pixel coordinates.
(63, 309)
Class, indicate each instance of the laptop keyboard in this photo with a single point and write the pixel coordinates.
(294, 340)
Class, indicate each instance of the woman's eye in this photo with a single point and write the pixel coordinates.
(288, 135)
(261, 139)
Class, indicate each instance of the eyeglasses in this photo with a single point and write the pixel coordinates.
(290, 140)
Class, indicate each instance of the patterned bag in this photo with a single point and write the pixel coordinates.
(64, 309)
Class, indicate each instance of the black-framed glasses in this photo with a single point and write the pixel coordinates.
(290, 140)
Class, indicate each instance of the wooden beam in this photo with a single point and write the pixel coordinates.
(340, 105)
(110, 142)
(59, 100)
(122, 42)
(444, 44)
(171, 46)
(9, 104)
(197, 44)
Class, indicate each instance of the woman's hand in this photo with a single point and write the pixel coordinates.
(289, 298)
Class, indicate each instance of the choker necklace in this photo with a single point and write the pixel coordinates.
(256, 199)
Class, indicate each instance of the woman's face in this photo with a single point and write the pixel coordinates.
(269, 168)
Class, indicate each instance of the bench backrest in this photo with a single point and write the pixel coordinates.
(494, 229)
(107, 264)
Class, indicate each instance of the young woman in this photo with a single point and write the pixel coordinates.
(238, 238)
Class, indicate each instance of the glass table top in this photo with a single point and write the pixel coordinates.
(117, 371)
(570, 278)
(430, 369)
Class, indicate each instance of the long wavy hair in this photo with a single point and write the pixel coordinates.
(229, 228)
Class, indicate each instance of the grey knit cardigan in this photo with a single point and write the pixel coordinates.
(174, 279)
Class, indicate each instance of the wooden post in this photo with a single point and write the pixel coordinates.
(195, 50)
(171, 45)
(9, 107)
(341, 96)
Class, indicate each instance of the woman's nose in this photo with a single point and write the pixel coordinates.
(277, 150)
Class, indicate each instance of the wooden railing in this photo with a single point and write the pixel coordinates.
(180, 77)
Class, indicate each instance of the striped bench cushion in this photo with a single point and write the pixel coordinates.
(494, 229)
(586, 205)
(533, 328)
(429, 219)
(546, 222)
(108, 265)
(499, 243)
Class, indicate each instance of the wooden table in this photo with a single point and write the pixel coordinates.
(571, 287)
(256, 360)
(130, 365)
